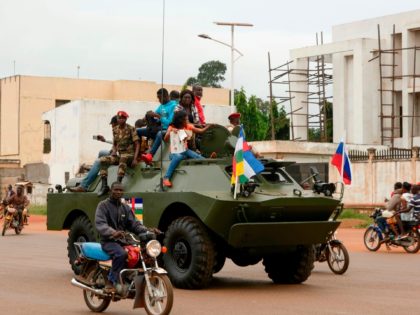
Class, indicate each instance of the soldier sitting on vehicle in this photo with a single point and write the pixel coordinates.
(20, 202)
(234, 128)
(125, 150)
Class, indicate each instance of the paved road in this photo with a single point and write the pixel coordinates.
(35, 279)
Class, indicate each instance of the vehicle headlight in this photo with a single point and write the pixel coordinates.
(153, 248)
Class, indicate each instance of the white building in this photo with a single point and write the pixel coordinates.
(73, 125)
(372, 104)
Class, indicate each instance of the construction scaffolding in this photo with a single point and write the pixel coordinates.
(390, 71)
(316, 76)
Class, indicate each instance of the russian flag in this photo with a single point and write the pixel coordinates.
(341, 160)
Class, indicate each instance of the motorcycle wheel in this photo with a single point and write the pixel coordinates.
(18, 230)
(161, 287)
(4, 227)
(412, 249)
(371, 239)
(338, 260)
(95, 303)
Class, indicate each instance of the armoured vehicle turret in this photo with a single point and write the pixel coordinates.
(273, 219)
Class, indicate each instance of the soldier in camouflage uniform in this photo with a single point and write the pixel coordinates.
(127, 144)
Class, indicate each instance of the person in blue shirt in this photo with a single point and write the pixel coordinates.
(165, 112)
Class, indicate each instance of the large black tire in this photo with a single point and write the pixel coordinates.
(163, 287)
(219, 262)
(18, 230)
(95, 303)
(371, 239)
(290, 267)
(190, 256)
(81, 230)
(339, 259)
(415, 235)
(243, 260)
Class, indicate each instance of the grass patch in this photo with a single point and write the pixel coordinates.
(353, 214)
(363, 225)
(37, 209)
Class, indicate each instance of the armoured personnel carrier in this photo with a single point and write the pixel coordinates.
(273, 219)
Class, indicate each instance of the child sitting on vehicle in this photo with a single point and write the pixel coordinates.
(179, 132)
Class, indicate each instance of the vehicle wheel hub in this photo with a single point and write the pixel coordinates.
(182, 255)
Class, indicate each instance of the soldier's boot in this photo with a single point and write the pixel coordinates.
(119, 178)
(105, 188)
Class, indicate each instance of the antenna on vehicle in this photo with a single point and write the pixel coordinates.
(163, 62)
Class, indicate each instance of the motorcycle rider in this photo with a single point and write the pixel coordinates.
(10, 192)
(391, 209)
(20, 202)
(113, 218)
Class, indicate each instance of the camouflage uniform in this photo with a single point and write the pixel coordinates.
(124, 141)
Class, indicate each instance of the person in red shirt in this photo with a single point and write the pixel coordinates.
(198, 94)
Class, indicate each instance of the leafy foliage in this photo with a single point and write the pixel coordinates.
(210, 74)
(314, 134)
(255, 117)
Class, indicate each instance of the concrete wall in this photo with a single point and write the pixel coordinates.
(9, 116)
(372, 180)
(368, 28)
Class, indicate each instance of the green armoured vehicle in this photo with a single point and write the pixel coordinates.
(273, 219)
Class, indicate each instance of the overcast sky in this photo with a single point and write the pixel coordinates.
(121, 39)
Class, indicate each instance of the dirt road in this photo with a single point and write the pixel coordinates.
(35, 279)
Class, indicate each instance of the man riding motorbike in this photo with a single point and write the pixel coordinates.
(20, 202)
(112, 219)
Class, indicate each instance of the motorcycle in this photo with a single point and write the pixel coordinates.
(335, 253)
(333, 250)
(11, 220)
(143, 280)
(375, 236)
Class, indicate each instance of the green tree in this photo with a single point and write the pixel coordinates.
(329, 112)
(255, 118)
(210, 74)
(314, 134)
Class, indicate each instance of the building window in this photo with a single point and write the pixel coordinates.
(47, 137)
(61, 102)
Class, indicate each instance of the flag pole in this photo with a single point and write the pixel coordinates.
(343, 157)
(236, 184)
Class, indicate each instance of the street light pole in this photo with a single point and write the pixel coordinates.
(232, 57)
(232, 60)
(232, 77)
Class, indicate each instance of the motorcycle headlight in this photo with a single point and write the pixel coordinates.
(153, 248)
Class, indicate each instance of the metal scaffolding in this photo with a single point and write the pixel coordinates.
(391, 117)
(317, 76)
